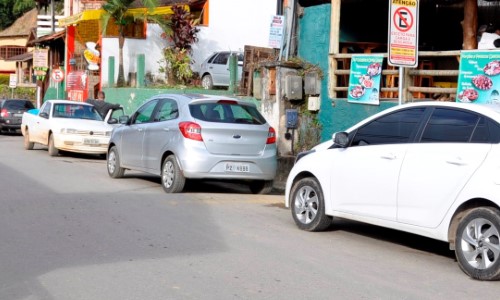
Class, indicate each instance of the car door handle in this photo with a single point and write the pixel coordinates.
(140, 129)
(456, 161)
(166, 129)
(389, 156)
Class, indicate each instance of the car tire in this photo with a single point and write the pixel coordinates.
(27, 144)
(172, 179)
(53, 151)
(308, 205)
(477, 236)
(113, 164)
(207, 82)
(261, 186)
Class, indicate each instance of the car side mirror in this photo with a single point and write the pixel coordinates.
(113, 121)
(123, 119)
(44, 115)
(340, 139)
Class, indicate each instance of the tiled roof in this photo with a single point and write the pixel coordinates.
(22, 26)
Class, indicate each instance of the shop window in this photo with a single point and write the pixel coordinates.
(10, 51)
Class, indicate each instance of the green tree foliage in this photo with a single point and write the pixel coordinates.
(183, 34)
(10, 10)
(117, 10)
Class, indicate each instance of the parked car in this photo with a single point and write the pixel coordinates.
(70, 126)
(11, 113)
(181, 137)
(430, 169)
(214, 70)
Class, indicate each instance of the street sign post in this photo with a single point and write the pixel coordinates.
(13, 83)
(403, 37)
(403, 33)
(57, 75)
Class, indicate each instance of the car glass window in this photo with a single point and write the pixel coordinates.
(167, 111)
(211, 59)
(449, 126)
(227, 112)
(46, 108)
(221, 59)
(397, 127)
(145, 112)
(19, 105)
(486, 131)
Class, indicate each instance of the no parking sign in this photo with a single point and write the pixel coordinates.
(403, 33)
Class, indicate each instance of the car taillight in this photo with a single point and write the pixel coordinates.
(271, 136)
(191, 130)
(4, 113)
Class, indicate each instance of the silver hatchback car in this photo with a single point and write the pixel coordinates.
(182, 136)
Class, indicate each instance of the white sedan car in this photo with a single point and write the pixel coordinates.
(431, 169)
(69, 126)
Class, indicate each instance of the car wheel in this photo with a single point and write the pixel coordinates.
(261, 186)
(207, 82)
(27, 144)
(478, 243)
(308, 205)
(113, 163)
(53, 151)
(172, 179)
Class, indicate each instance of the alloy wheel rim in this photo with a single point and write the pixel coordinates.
(168, 174)
(111, 162)
(480, 243)
(306, 205)
(205, 83)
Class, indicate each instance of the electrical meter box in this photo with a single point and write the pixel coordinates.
(292, 118)
(293, 87)
(312, 84)
(313, 103)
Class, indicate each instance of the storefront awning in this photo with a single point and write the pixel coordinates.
(95, 14)
(21, 57)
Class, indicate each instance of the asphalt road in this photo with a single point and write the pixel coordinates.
(68, 231)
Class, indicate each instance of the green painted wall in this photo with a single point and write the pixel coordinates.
(314, 35)
(132, 98)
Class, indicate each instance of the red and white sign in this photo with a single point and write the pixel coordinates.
(57, 75)
(403, 33)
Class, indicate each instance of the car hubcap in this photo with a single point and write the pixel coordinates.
(168, 174)
(306, 205)
(205, 83)
(112, 162)
(480, 243)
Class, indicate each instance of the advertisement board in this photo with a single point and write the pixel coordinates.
(364, 81)
(479, 77)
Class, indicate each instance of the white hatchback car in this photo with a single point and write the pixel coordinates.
(215, 69)
(432, 169)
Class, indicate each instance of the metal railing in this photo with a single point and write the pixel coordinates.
(389, 90)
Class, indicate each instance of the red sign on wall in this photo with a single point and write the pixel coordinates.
(77, 86)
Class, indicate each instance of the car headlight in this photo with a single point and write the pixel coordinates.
(68, 131)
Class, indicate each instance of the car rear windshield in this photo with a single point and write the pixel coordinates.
(19, 104)
(227, 112)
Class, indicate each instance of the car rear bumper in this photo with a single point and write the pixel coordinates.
(224, 167)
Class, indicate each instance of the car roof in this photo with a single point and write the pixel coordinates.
(490, 110)
(59, 101)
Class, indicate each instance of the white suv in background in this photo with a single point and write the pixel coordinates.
(215, 69)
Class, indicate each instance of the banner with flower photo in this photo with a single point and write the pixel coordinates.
(364, 81)
(478, 78)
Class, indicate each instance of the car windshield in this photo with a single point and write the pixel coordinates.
(76, 111)
(227, 112)
(19, 104)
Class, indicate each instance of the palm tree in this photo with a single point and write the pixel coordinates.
(117, 10)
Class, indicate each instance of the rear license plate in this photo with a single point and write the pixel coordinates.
(18, 115)
(91, 141)
(237, 167)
